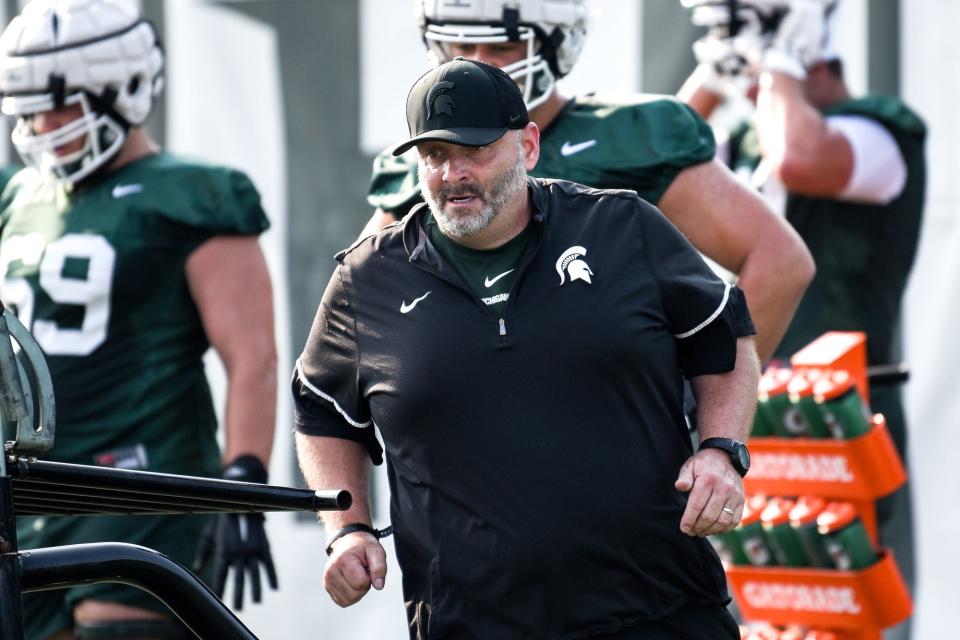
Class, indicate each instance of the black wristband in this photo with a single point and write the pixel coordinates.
(358, 526)
(246, 468)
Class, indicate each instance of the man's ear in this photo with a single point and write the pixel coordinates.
(530, 139)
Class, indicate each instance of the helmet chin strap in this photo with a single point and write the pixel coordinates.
(103, 104)
(58, 89)
(511, 23)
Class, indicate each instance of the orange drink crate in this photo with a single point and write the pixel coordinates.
(857, 603)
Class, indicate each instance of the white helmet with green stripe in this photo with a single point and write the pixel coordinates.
(98, 54)
(553, 31)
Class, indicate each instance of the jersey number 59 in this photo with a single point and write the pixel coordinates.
(92, 292)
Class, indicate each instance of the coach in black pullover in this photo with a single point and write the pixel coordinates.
(538, 458)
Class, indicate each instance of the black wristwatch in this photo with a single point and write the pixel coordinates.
(738, 452)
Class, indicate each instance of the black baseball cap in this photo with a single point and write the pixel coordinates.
(463, 102)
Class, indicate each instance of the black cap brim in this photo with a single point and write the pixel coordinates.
(464, 136)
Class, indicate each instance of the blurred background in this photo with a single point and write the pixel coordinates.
(301, 94)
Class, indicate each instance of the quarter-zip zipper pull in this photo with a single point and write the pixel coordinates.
(503, 327)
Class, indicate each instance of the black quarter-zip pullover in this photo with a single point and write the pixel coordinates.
(531, 457)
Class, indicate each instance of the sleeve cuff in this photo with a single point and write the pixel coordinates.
(316, 417)
(713, 348)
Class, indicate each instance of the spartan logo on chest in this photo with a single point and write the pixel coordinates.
(438, 102)
(571, 263)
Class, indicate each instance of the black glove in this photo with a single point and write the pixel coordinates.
(238, 541)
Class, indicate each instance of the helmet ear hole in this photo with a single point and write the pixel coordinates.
(133, 86)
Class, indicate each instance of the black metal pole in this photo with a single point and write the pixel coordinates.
(881, 375)
(11, 606)
(202, 492)
(180, 590)
(72, 500)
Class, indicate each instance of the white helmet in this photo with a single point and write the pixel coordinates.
(739, 30)
(99, 54)
(554, 31)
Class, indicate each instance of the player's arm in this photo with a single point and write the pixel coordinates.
(807, 155)
(845, 157)
(702, 91)
(725, 406)
(230, 285)
(378, 220)
(734, 227)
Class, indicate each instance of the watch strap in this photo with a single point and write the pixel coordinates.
(730, 446)
(354, 527)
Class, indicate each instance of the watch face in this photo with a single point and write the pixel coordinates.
(744, 455)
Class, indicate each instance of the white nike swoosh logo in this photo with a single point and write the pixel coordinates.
(407, 308)
(569, 149)
(487, 282)
(122, 190)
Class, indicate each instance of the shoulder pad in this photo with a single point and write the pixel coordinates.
(218, 199)
(888, 110)
(643, 130)
(20, 184)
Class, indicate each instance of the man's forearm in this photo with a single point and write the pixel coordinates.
(251, 410)
(335, 463)
(786, 123)
(698, 96)
(726, 402)
(801, 150)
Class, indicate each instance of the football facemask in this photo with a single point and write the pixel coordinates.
(552, 31)
(738, 30)
(532, 73)
(100, 134)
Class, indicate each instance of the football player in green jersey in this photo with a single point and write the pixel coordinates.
(651, 144)
(126, 264)
(847, 172)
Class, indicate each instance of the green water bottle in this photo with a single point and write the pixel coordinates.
(753, 540)
(784, 541)
(845, 537)
(800, 392)
(803, 519)
(773, 401)
(844, 411)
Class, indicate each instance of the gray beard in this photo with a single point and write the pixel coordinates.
(504, 187)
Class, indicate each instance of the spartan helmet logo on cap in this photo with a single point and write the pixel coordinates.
(438, 101)
(570, 262)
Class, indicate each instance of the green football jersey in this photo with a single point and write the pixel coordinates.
(864, 252)
(638, 142)
(98, 276)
